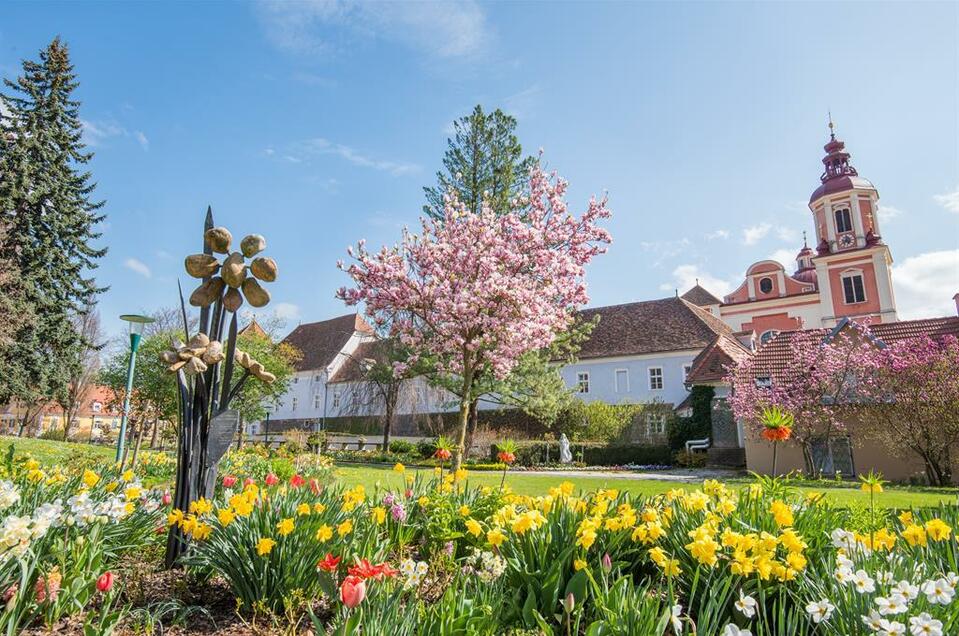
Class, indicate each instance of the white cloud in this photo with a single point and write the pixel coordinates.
(95, 133)
(321, 146)
(441, 29)
(138, 266)
(753, 234)
(924, 284)
(685, 276)
(287, 311)
(888, 212)
(787, 234)
(718, 234)
(663, 250)
(786, 257)
(949, 200)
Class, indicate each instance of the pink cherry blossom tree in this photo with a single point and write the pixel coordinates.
(473, 292)
(821, 378)
(916, 402)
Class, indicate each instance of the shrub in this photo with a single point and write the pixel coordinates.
(426, 448)
(54, 434)
(401, 447)
(690, 459)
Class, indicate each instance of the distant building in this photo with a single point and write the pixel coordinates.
(95, 417)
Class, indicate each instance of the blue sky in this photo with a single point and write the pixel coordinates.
(318, 123)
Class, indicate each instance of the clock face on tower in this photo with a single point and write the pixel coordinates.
(846, 240)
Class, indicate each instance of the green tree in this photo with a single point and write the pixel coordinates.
(49, 218)
(483, 162)
(279, 359)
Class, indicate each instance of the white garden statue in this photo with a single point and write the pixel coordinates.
(565, 457)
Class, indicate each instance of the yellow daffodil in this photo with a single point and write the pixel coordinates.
(264, 546)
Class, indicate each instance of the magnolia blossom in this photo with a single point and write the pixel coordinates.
(475, 291)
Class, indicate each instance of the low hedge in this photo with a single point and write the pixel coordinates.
(535, 453)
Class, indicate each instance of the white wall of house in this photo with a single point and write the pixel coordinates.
(633, 379)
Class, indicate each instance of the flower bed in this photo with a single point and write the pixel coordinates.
(441, 556)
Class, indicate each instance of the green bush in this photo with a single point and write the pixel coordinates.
(54, 434)
(698, 425)
(402, 446)
(426, 448)
(688, 459)
(621, 455)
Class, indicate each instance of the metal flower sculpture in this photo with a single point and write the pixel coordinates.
(206, 364)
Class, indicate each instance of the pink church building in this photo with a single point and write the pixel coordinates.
(847, 275)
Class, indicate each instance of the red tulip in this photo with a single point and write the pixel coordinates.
(408, 493)
(296, 481)
(167, 498)
(329, 563)
(105, 582)
(352, 591)
(271, 479)
(315, 486)
(229, 481)
(249, 481)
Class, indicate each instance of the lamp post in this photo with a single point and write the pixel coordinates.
(137, 324)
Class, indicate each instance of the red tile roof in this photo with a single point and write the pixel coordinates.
(698, 295)
(320, 342)
(773, 356)
(652, 326)
(712, 362)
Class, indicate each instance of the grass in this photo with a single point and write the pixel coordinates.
(526, 484)
(52, 452)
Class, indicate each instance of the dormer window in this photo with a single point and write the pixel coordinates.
(765, 285)
(843, 221)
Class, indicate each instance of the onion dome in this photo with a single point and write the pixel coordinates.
(839, 174)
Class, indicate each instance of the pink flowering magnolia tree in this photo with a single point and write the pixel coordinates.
(473, 292)
(819, 382)
(915, 409)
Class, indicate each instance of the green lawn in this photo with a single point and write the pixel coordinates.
(526, 484)
(49, 452)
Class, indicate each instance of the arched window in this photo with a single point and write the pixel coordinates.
(843, 221)
(765, 285)
(768, 335)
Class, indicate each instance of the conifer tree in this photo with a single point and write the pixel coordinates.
(483, 162)
(50, 221)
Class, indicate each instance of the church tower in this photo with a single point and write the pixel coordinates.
(852, 264)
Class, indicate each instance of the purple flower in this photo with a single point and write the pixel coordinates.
(398, 512)
(388, 499)
(448, 548)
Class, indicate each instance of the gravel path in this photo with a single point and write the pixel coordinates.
(685, 475)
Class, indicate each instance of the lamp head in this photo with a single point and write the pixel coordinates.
(137, 323)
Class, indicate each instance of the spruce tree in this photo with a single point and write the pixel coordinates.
(50, 221)
(483, 161)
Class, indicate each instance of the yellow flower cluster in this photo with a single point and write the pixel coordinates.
(353, 497)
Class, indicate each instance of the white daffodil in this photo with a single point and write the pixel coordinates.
(863, 582)
(938, 591)
(873, 621)
(925, 625)
(733, 630)
(892, 628)
(844, 575)
(820, 611)
(746, 605)
(893, 604)
(843, 539)
(907, 589)
(952, 579)
(674, 619)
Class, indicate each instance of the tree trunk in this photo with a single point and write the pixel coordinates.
(136, 447)
(464, 422)
(471, 423)
(153, 436)
(239, 434)
(387, 426)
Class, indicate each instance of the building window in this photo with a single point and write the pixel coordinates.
(655, 378)
(582, 382)
(96, 406)
(295, 379)
(765, 285)
(852, 289)
(293, 404)
(316, 401)
(622, 380)
(768, 335)
(336, 399)
(764, 382)
(686, 369)
(843, 221)
(655, 424)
